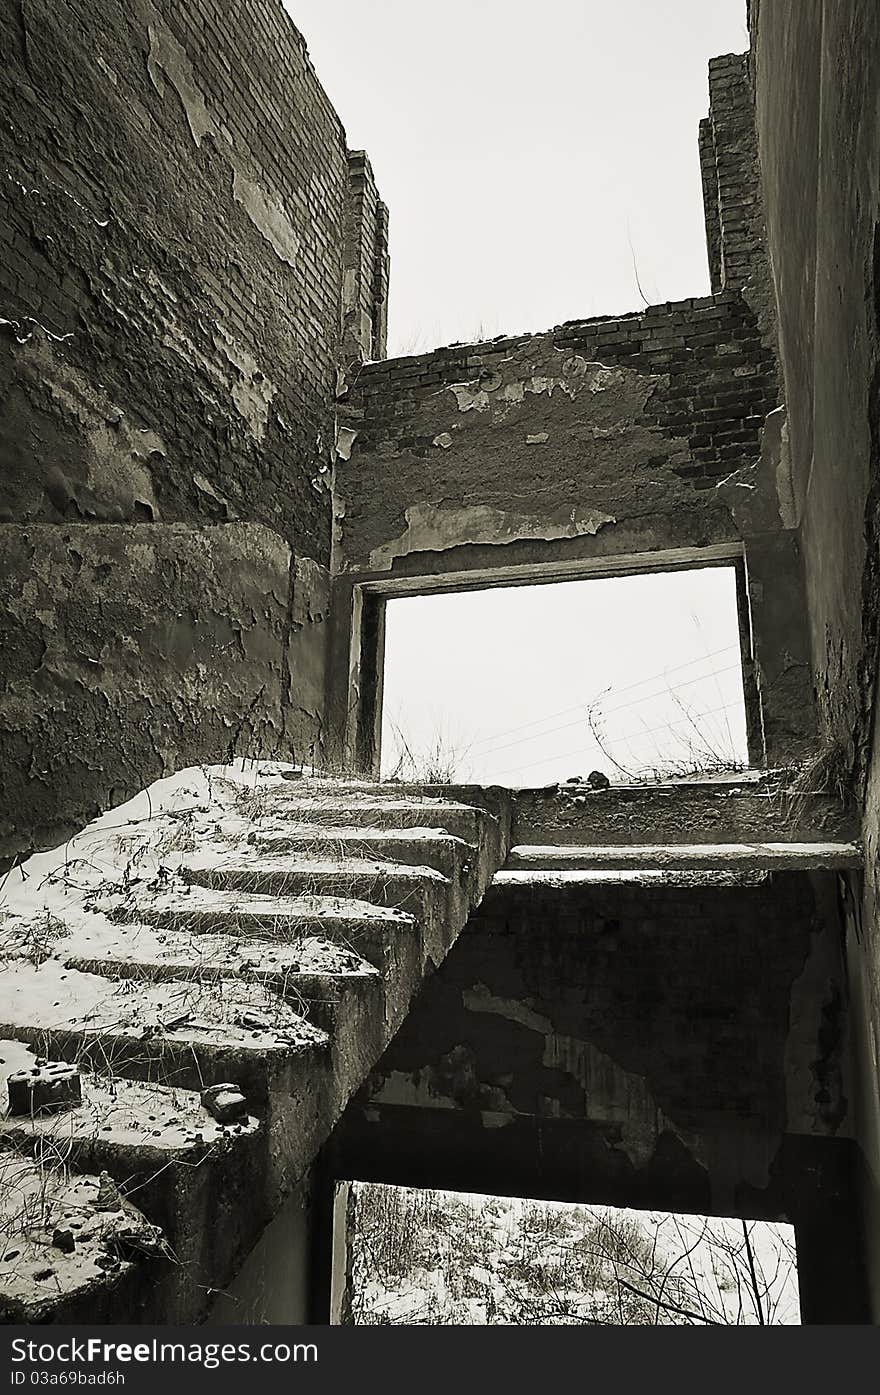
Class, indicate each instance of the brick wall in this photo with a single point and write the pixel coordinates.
(709, 175)
(601, 443)
(689, 988)
(174, 191)
(561, 434)
(734, 212)
(176, 194)
(366, 274)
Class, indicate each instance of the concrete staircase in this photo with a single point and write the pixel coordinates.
(276, 948)
(271, 938)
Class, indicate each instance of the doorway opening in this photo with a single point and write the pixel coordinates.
(639, 677)
(435, 1257)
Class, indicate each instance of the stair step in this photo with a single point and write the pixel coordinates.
(453, 857)
(317, 977)
(366, 811)
(187, 1034)
(703, 857)
(163, 1148)
(374, 932)
(106, 1259)
(436, 902)
(278, 946)
(496, 799)
(378, 883)
(164, 953)
(184, 1033)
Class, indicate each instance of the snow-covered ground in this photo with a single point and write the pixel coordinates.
(423, 1257)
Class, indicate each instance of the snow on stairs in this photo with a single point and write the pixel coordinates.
(279, 953)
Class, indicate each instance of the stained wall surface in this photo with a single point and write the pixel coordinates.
(131, 650)
(174, 190)
(817, 71)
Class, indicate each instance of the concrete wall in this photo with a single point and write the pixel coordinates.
(817, 68)
(178, 209)
(818, 94)
(273, 1285)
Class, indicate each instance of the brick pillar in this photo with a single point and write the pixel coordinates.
(365, 267)
(733, 206)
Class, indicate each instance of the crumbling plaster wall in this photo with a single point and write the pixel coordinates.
(817, 72)
(178, 211)
(651, 433)
(688, 1038)
(130, 651)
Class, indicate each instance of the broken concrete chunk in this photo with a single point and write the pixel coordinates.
(46, 1086)
(224, 1102)
(109, 1197)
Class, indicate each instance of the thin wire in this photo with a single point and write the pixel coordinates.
(634, 702)
(676, 668)
(564, 755)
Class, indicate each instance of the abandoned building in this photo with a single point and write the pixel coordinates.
(213, 482)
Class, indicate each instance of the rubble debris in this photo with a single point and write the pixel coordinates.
(48, 1085)
(224, 1103)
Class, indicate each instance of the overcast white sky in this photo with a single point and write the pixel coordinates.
(533, 156)
(522, 145)
(503, 678)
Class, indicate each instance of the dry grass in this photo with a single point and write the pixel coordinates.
(826, 775)
(439, 1258)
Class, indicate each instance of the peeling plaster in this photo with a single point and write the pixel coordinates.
(200, 675)
(268, 217)
(167, 59)
(611, 1094)
(24, 336)
(349, 290)
(433, 528)
(205, 487)
(480, 999)
(469, 398)
(400, 1088)
(815, 1098)
(345, 439)
(119, 451)
(775, 449)
(252, 393)
(577, 373)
